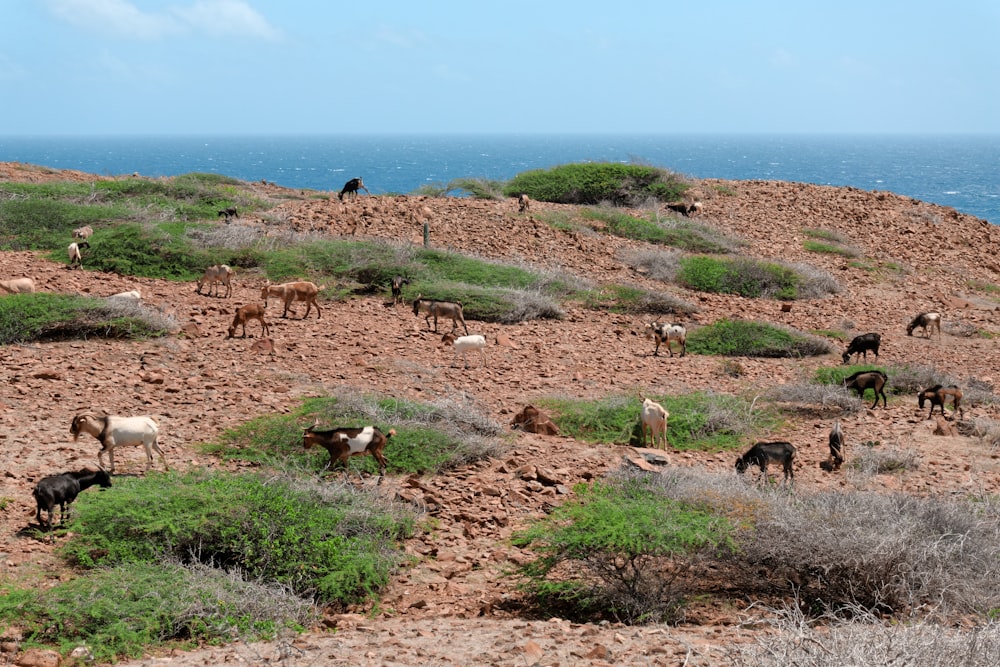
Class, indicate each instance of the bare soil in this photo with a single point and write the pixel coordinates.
(454, 606)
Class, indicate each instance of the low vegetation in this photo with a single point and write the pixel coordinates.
(744, 338)
(677, 233)
(754, 279)
(45, 316)
(638, 547)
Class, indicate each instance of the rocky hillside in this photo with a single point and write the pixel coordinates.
(451, 608)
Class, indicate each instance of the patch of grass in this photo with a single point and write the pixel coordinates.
(562, 220)
(830, 248)
(682, 234)
(124, 611)
(635, 300)
(743, 338)
(48, 316)
(745, 277)
(701, 421)
(430, 438)
(596, 182)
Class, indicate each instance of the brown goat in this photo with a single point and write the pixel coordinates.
(523, 203)
(443, 309)
(937, 395)
(533, 420)
(291, 292)
(343, 443)
(251, 311)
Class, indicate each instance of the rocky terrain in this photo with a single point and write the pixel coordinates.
(453, 606)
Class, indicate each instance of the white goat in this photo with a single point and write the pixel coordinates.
(131, 295)
(18, 286)
(73, 251)
(654, 419)
(218, 273)
(463, 344)
(112, 431)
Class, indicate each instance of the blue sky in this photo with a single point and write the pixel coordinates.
(328, 66)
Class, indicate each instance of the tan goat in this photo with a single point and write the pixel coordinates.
(291, 292)
(654, 419)
(218, 273)
(251, 311)
(17, 286)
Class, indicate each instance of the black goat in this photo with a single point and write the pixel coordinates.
(874, 380)
(63, 489)
(351, 187)
(762, 453)
(229, 213)
(861, 344)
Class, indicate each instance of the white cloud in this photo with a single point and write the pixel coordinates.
(393, 37)
(123, 18)
(10, 70)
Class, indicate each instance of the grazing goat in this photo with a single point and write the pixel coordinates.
(75, 258)
(251, 311)
(763, 453)
(533, 420)
(874, 380)
(523, 203)
(685, 208)
(926, 321)
(351, 187)
(442, 309)
(463, 344)
(343, 443)
(861, 344)
(397, 288)
(18, 286)
(63, 489)
(229, 213)
(290, 292)
(113, 431)
(662, 332)
(653, 418)
(937, 395)
(836, 446)
(83, 233)
(214, 275)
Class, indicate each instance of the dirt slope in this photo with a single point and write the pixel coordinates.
(452, 607)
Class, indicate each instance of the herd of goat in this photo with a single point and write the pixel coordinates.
(342, 443)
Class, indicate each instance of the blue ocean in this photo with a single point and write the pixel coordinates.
(960, 171)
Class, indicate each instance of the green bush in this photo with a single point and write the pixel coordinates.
(123, 611)
(635, 300)
(742, 338)
(682, 234)
(321, 541)
(596, 182)
(617, 550)
(743, 276)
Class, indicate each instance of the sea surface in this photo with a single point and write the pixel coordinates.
(961, 171)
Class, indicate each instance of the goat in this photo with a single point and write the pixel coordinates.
(251, 311)
(653, 418)
(662, 332)
(861, 344)
(18, 286)
(685, 208)
(343, 443)
(874, 380)
(290, 292)
(926, 321)
(229, 213)
(463, 344)
(533, 420)
(75, 257)
(397, 288)
(442, 309)
(523, 203)
(113, 431)
(215, 274)
(763, 453)
(63, 489)
(937, 395)
(836, 446)
(83, 233)
(131, 295)
(351, 187)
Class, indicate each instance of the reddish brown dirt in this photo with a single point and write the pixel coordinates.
(451, 607)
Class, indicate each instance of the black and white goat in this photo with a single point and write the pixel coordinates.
(926, 321)
(343, 443)
(663, 333)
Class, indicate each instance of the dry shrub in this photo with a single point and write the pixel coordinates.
(806, 397)
(659, 265)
